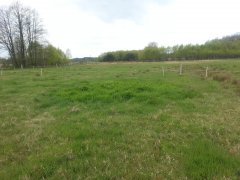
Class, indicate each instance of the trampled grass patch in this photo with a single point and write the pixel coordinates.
(124, 120)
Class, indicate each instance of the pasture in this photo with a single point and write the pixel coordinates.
(122, 120)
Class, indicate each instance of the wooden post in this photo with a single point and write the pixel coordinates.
(163, 72)
(1, 72)
(21, 66)
(206, 74)
(41, 72)
(180, 70)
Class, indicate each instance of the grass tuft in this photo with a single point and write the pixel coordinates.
(222, 77)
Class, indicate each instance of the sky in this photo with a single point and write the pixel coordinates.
(92, 27)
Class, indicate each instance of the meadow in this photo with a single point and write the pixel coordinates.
(121, 121)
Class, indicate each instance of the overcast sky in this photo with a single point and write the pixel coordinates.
(91, 27)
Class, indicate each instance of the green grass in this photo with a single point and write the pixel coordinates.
(205, 160)
(124, 120)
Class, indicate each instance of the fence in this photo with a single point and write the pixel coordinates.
(181, 70)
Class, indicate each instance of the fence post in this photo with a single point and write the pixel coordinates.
(163, 72)
(41, 72)
(180, 70)
(21, 66)
(1, 72)
(206, 74)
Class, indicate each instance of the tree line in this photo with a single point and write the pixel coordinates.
(22, 37)
(226, 47)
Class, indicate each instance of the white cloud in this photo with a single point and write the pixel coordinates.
(88, 28)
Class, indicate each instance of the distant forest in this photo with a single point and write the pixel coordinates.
(226, 47)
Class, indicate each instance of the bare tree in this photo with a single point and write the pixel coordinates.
(7, 33)
(18, 18)
(35, 34)
(68, 54)
(20, 34)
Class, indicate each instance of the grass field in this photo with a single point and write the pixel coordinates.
(123, 120)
